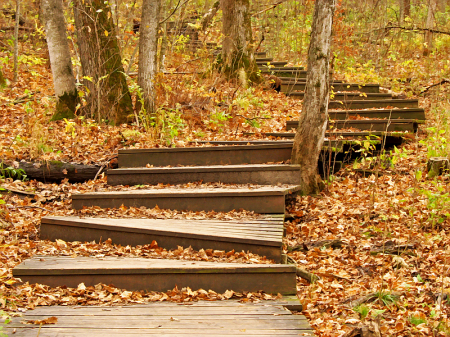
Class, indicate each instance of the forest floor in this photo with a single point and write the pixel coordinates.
(388, 259)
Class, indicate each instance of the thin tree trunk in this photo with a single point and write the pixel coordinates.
(238, 59)
(2, 80)
(208, 17)
(310, 134)
(405, 10)
(109, 98)
(430, 25)
(148, 52)
(58, 48)
(16, 40)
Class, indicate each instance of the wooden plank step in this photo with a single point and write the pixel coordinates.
(393, 138)
(271, 63)
(264, 200)
(157, 274)
(348, 96)
(261, 54)
(362, 104)
(280, 71)
(201, 156)
(258, 174)
(202, 318)
(256, 236)
(409, 113)
(264, 59)
(404, 125)
(271, 152)
(288, 86)
(291, 79)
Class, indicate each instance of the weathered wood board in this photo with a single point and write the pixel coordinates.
(229, 174)
(348, 97)
(216, 318)
(262, 237)
(403, 125)
(369, 104)
(288, 86)
(157, 274)
(264, 200)
(410, 113)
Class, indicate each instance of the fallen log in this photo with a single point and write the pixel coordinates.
(55, 171)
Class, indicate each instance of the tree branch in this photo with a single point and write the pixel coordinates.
(173, 12)
(443, 81)
(270, 7)
(419, 29)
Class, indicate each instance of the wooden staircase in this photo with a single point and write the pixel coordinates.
(368, 114)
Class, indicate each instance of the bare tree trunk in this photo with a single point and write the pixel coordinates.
(430, 25)
(2, 80)
(238, 59)
(405, 9)
(16, 40)
(207, 18)
(310, 134)
(148, 52)
(109, 98)
(58, 48)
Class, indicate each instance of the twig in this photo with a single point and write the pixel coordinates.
(176, 8)
(269, 8)
(184, 63)
(29, 207)
(99, 171)
(412, 29)
(443, 81)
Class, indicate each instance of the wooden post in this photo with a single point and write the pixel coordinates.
(438, 166)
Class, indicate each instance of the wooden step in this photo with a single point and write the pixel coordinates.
(258, 174)
(265, 152)
(262, 236)
(348, 96)
(261, 54)
(271, 64)
(298, 72)
(299, 80)
(264, 200)
(291, 86)
(193, 318)
(157, 274)
(410, 113)
(389, 138)
(362, 104)
(264, 59)
(201, 156)
(408, 125)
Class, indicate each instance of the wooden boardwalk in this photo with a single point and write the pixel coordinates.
(262, 236)
(216, 318)
(144, 274)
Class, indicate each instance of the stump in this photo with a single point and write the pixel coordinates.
(437, 166)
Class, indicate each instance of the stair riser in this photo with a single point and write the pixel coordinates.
(207, 157)
(238, 177)
(283, 283)
(409, 127)
(418, 115)
(359, 104)
(270, 204)
(287, 88)
(85, 234)
(349, 98)
(286, 73)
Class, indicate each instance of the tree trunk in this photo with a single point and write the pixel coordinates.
(148, 52)
(16, 41)
(58, 49)
(405, 10)
(429, 25)
(310, 134)
(238, 59)
(109, 98)
(2, 80)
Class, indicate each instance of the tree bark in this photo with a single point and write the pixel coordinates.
(429, 25)
(16, 41)
(237, 58)
(58, 48)
(108, 98)
(310, 134)
(148, 51)
(2, 80)
(405, 10)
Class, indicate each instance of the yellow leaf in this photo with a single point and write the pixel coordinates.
(106, 33)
